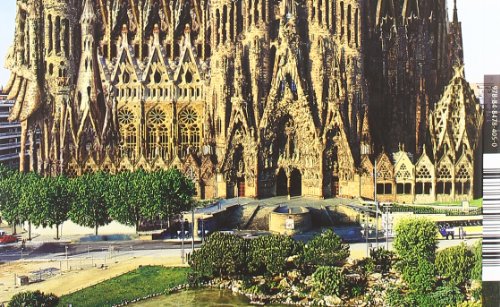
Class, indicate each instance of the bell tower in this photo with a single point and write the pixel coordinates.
(60, 25)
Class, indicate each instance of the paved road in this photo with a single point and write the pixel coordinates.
(54, 250)
(57, 251)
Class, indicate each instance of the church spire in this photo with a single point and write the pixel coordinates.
(88, 14)
(455, 12)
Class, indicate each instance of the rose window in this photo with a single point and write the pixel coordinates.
(188, 117)
(157, 116)
(125, 116)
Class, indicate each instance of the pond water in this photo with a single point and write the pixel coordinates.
(196, 298)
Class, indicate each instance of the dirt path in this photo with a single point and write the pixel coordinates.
(71, 281)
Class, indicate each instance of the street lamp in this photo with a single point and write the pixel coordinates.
(182, 240)
(192, 228)
(67, 264)
(366, 233)
(386, 228)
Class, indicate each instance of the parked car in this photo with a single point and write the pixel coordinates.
(4, 239)
(447, 232)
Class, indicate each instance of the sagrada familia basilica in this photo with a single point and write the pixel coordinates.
(255, 98)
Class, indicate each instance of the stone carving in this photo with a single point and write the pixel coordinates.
(257, 96)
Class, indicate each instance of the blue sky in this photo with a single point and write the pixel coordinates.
(480, 23)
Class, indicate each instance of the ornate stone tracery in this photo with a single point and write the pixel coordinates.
(251, 98)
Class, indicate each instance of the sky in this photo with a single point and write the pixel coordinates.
(480, 25)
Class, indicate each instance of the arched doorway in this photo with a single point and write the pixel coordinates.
(241, 187)
(335, 186)
(281, 183)
(295, 183)
(202, 190)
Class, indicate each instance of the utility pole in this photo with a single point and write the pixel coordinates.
(192, 228)
(67, 264)
(366, 232)
(386, 227)
(182, 240)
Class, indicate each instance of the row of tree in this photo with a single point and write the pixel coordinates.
(93, 200)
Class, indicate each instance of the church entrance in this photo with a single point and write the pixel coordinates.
(241, 187)
(202, 190)
(281, 183)
(335, 186)
(295, 183)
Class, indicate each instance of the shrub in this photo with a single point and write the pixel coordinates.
(328, 280)
(455, 264)
(33, 299)
(270, 254)
(395, 297)
(447, 295)
(420, 277)
(415, 244)
(325, 249)
(363, 266)
(355, 284)
(382, 259)
(477, 267)
(222, 255)
(416, 239)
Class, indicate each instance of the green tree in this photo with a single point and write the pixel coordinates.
(222, 255)
(10, 195)
(415, 244)
(60, 198)
(124, 197)
(34, 204)
(326, 249)
(19, 199)
(89, 207)
(273, 254)
(455, 264)
(33, 299)
(169, 193)
(44, 201)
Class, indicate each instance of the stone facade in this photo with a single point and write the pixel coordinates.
(248, 97)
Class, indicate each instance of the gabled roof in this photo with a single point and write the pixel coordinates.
(187, 59)
(424, 159)
(158, 55)
(126, 55)
(286, 65)
(401, 157)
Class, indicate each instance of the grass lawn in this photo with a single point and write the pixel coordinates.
(473, 203)
(138, 283)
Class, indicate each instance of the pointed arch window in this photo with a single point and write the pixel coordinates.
(463, 180)
(189, 130)
(444, 180)
(158, 135)
(128, 133)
